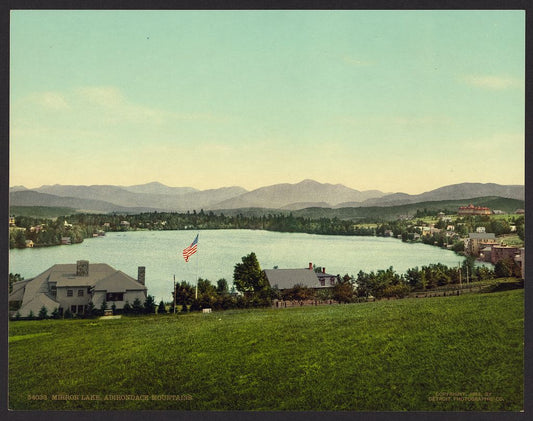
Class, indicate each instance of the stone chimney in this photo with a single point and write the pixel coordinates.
(141, 272)
(82, 268)
(310, 265)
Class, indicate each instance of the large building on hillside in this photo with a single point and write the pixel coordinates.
(288, 278)
(474, 210)
(73, 286)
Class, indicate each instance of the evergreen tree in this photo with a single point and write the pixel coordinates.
(31, 316)
(149, 305)
(127, 308)
(184, 308)
(43, 313)
(161, 309)
(55, 313)
(103, 307)
(67, 314)
(91, 309)
(137, 307)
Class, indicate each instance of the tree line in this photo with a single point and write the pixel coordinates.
(87, 225)
(251, 288)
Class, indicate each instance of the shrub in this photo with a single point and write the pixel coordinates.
(43, 313)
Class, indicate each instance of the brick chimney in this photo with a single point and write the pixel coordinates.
(82, 268)
(141, 272)
(310, 265)
(323, 270)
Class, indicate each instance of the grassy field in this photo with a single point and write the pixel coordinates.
(454, 353)
(511, 240)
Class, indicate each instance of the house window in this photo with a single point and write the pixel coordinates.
(80, 293)
(53, 290)
(114, 296)
(70, 293)
(80, 309)
(73, 309)
(322, 283)
(332, 281)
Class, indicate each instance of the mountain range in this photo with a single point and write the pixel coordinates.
(305, 194)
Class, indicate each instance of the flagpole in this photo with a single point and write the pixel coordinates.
(197, 264)
(174, 294)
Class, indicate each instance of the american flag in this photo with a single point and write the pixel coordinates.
(189, 251)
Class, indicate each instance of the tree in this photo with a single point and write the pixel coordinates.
(68, 314)
(91, 309)
(222, 287)
(20, 239)
(137, 307)
(506, 268)
(299, 293)
(31, 316)
(43, 313)
(103, 307)
(127, 308)
(184, 293)
(12, 279)
(149, 305)
(205, 287)
(184, 308)
(343, 290)
(415, 278)
(113, 308)
(161, 309)
(248, 276)
(55, 313)
(195, 305)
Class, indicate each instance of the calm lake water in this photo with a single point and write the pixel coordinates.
(220, 250)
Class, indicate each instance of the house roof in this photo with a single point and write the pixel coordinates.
(118, 282)
(36, 303)
(18, 290)
(288, 278)
(65, 274)
(325, 275)
(482, 235)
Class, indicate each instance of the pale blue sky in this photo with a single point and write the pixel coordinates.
(390, 100)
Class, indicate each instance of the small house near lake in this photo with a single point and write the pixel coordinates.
(288, 278)
(73, 286)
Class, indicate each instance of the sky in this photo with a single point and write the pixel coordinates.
(391, 100)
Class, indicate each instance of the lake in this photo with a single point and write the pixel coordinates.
(220, 250)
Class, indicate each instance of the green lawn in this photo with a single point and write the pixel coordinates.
(388, 355)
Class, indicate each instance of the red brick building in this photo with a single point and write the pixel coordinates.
(474, 210)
